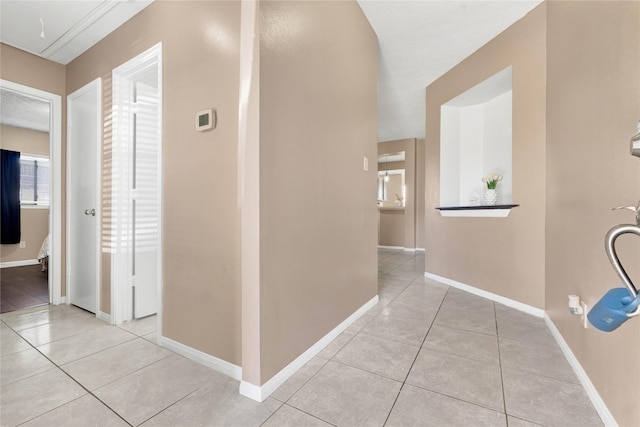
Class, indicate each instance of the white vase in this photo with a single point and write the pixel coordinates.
(490, 197)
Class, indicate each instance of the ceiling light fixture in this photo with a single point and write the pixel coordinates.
(41, 21)
(386, 169)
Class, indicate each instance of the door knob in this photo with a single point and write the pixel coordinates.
(91, 212)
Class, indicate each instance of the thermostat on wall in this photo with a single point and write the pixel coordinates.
(206, 119)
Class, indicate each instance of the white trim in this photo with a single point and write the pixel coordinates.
(160, 188)
(34, 157)
(478, 213)
(103, 316)
(55, 201)
(22, 263)
(402, 248)
(251, 391)
(596, 400)
(260, 393)
(34, 206)
(55, 181)
(538, 312)
(75, 32)
(205, 359)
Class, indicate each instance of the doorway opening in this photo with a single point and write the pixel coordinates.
(136, 200)
(53, 243)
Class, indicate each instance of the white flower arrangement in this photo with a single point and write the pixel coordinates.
(492, 180)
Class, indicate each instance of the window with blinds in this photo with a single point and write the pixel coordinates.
(34, 180)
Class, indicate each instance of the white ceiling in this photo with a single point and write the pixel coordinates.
(418, 42)
(69, 27)
(23, 112)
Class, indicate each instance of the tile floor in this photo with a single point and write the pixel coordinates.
(426, 355)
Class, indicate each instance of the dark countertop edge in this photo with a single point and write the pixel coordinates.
(474, 208)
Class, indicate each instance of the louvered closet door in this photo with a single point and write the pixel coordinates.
(145, 201)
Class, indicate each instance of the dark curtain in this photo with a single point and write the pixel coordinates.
(9, 197)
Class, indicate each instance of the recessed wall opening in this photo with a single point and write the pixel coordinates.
(392, 189)
(475, 140)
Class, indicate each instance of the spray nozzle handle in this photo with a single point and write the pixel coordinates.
(629, 208)
(634, 209)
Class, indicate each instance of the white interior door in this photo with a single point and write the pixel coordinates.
(83, 225)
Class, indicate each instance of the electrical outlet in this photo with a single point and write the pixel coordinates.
(23, 244)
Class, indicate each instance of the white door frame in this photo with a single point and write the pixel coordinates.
(122, 76)
(96, 86)
(55, 181)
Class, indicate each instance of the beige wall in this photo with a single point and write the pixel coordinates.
(456, 248)
(201, 221)
(26, 69)
(318, 106)
(417, 196)
(419, 193)
(391, 222)
(29, 70)
(407, 145)
(392, 226)
(574, 143)
(34, 222)
(593, 106)
(35, 227)
(298, 300)
(24, 140)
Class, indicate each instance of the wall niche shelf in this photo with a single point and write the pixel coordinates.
(476, 140)
(493, 211)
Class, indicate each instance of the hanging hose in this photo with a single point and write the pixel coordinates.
(610, 240)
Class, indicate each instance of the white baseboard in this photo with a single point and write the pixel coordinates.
(260, 393)
(538, 312)
(252, 391)
(22, 263)
(596, 400)
(104, 316)
(402, 248)
(212, 362)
